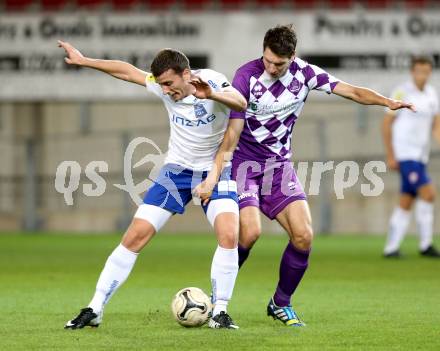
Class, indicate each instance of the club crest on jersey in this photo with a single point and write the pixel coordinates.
(295, 86)
(212, 84)
(258, 90)
(200, 110)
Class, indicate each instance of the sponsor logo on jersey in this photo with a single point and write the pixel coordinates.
(258, 90)
(246, 195)
(200, 110)
(188, 123)
(257, 107)
(291, 185)
(225, 85)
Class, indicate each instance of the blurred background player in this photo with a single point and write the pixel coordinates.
(276, 87)
(198, 114)
(407, 137)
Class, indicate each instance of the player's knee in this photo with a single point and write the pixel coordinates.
(226, 228)
(429, 197)
(228, 240)
(138, 235)
(427, 193)
(228, 236)
(249, 234)
(302, 239)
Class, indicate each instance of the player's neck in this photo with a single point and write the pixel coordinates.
(277, 77)
(420, 87)
(189, 90)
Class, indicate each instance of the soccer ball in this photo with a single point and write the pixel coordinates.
(191, 307)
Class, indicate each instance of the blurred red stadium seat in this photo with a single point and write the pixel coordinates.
(123, 4)
(232, 4)
(159, 4)
(416, 4)
(52, 4)
(196, 4)
(377, 4)
(17, 5)
(89, 3)
(303, 4)
(340, 4)
(23, 5)
(268, 3)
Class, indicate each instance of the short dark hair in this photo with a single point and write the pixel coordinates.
(169, 59)
(423, 60)
(281, 40)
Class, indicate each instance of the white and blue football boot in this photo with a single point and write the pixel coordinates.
(284, 314)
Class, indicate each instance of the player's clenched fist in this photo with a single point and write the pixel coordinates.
(392, 163)
(397, 105)
(74, 57)
(203, 89)
(204, 191)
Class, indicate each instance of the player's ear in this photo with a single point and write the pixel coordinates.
(186, 74)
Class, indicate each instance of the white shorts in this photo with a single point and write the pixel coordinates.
(159, 216)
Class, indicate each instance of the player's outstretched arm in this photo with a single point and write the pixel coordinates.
(118, 69)
(367, 96)
(223, 156)
(229, 97)
(387, 128)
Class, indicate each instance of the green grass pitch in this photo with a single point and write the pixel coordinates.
(351, 298)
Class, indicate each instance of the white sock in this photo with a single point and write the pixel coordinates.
(224, 271)
(398, 226)
(115, 272)
(425, 221)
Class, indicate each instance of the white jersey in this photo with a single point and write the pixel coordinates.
(411, 131)
(197, 126)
